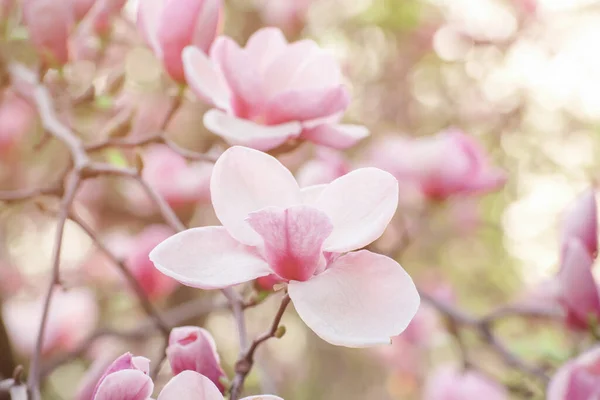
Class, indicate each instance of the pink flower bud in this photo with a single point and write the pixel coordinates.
(267, 282)
(197, 24)
(125, 379)
(194, 349)
(449, 163)
(72, 316)
(154, 283)
(578, 292)
(578, 379)
(580, 222)
(448, 383)
(49, 23)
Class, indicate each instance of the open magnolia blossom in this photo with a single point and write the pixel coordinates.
(271, 226)
(578, 379)
(580, 222)
(127, 379)
(449, 383)
(271, 91)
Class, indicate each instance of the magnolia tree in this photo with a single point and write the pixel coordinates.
(200, 188)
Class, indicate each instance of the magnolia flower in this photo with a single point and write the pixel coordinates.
(578, 379)
(448, 383)
(271, 91)
(49, 23)
(580, 222)
(97, 15)
(170, 25)
(154, 284)
(327, 165)
(72, 317)
(194, 349)
(440, 166)
(127, 379)
(270, 226)
(577, 289)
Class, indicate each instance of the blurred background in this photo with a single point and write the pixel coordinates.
(520, 76)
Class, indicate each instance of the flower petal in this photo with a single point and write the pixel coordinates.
(207, 258)
(190, 385)
(148, 20)
(128, 384)
(337, 136)
(360, 204)
(306, 105)
(362, 299)
(246, 180)
(249, 133)
(264, 46)
(310, 194)
(293, 238)
(204, 78)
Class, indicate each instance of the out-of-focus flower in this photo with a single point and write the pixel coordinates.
(578, 291)
(154, 283)
(271, 91)
(190, 385)
(289, 15)
(170, 25)
(16, 118)
(178, 182)
(125, 379)
(49, 23)
(449, 163)
(72, 316)
(6, 7)
(578, 379)
(194, 349)
(449, 383)
(96, 16)
(272, 227)
(580, 222)
(326, 166)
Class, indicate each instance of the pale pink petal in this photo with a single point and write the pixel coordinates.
(580, 221)
(204, 78)
(338, 136)
(190, 385)
(310, 194)
(293, 238)
(246, 180)
(362, 299)
(306, 105)
(242, 77)
(128, 384)
(264, 46)
(318, 71)
(360, 204)
(559, 385)
(248, 133)
(148, 19)
(208, 24)
(207, 258)
(579, 292)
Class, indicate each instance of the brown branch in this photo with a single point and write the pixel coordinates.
(244, 364)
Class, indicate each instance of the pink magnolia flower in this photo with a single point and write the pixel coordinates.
(49, 23)
(154, 283)
(97, 15)
(325, 167)
(449, 163)
(197, 24)
(270, 226)
(578, 379)
(271, 91)
(180, 183)
(580, 222)
(72, 317)
(127, 379)
(194, 349)
(448, 383)
(577, 289)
